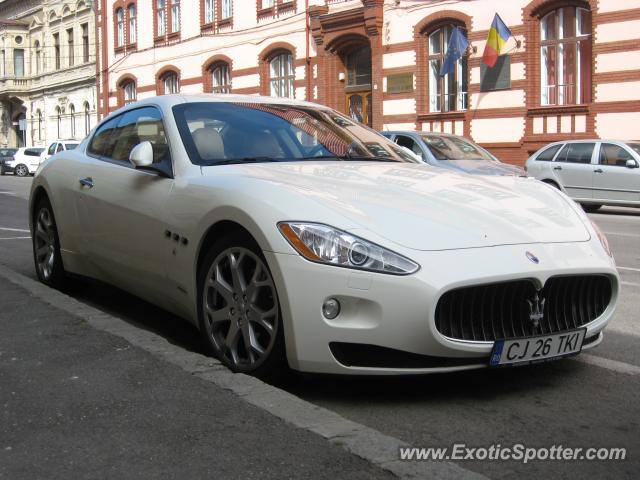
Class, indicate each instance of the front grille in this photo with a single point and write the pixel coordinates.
(502, 310)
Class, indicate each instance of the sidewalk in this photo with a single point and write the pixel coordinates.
(77, 402)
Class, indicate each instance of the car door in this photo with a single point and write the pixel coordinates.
(50, 151)
(121, 209)
(573, 169)
(612, 179)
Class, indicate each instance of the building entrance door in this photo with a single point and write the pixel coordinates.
(358, 85)
(359, 106)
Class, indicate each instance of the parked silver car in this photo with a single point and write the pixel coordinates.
(592, 172)
(452, 152)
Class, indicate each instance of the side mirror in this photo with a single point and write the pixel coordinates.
(632, 163)
(142, 155)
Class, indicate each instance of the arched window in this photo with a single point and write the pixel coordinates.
(39, 115)
(131, 13)
(87, 119)
(161, 14)
(72, 119)
(170, 83)
(129, 91)
(175, 16)
(58, 120)
(565, 56)
(358, 64)
(36, 47)
(209, 11)
(220, 77)
(449, 92)
(282, 75)
(119, 27)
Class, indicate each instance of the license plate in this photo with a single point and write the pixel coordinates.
(535, 349)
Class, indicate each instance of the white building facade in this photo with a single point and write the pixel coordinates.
(48, 71)
(570, 70)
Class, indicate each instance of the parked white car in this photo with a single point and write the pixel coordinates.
(58, 146)
(592, 172)
(289, 234)
(25, 161)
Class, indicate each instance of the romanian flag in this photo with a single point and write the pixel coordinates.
(499, 33)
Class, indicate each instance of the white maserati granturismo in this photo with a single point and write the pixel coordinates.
(292, 236)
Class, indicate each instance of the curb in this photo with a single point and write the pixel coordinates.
(367, 443)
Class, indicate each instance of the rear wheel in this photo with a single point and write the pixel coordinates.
(46, 246)
(21, 170)
(590, 207)
(239, 310)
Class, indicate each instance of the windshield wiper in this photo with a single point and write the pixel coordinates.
(232, 161)
(364, 158)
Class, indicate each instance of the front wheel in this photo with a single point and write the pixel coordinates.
(590, 207)
(21, 170)
(239, 310)
(46, 246)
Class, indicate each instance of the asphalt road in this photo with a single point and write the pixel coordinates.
(587, 402)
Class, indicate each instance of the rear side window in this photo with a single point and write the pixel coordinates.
(70, 146)
(614, 155)
(101, 144)
(576, 153)
(32, 152)
(548, 154)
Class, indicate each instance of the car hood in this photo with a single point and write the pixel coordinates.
(417, 206)
(482, 167)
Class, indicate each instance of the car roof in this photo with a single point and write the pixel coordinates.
(410, 132)
(168, 101)
(591, 140)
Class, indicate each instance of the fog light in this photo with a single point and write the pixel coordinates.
(331, 308)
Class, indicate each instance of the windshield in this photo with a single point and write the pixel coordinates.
(216, 133)
(455, 148)
(635, 147)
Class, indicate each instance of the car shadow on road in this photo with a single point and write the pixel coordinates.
(137, 312)
(481, 385)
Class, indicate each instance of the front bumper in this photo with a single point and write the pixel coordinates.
(398, 312)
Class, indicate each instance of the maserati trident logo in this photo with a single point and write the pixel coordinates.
(536, 310)
(532, 257)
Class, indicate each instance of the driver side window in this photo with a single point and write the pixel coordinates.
(116, 138)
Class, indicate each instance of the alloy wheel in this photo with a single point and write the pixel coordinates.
(45, 243)
(240, 308)
(22, 171)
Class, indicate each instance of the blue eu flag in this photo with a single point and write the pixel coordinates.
(457, 46)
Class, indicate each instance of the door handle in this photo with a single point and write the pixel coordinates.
(557, 168)
(598, 170)
(86, 182)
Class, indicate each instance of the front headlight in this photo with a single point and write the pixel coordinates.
(602, 237)
(323, 244)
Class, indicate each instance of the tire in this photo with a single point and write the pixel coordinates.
(552, 183)
(2, 171)
(21, 170)
(228, 300)
(46, 246)
(590, 207)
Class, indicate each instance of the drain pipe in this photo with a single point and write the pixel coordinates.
(307, 51)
